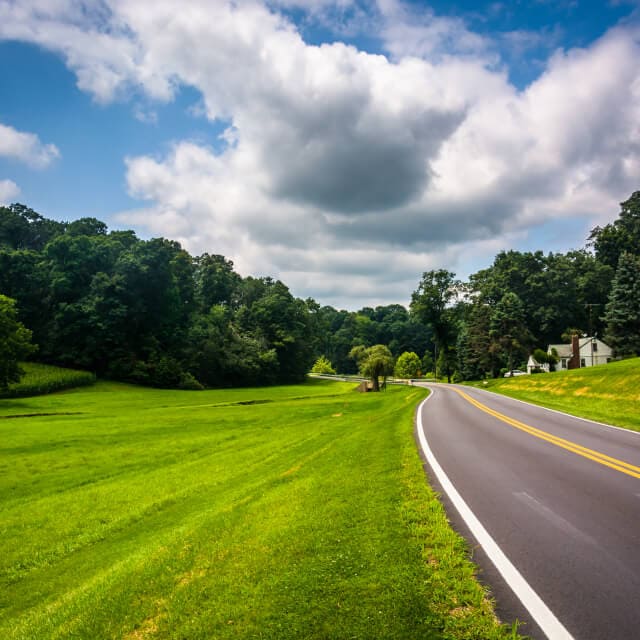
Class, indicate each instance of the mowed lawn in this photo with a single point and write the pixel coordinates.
(607, 393)
(288, 512)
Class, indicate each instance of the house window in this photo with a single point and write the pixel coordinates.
(594, 346)
(583, 362)
(563, 363)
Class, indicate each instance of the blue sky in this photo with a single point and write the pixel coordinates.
(344, 147)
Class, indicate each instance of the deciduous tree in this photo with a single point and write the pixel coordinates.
(15, 343)
(408, 365)
(431, 303)
(374, 363)
(612, 240)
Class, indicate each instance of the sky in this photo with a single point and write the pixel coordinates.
(342, 147)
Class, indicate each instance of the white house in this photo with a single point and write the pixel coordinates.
(584, 351)
(532, 364)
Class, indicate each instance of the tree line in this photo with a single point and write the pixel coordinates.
(519, 305)
(147, 311)
(527, 300)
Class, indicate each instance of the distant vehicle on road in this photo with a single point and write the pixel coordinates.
(515, 372)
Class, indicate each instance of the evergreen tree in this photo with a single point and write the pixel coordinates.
(509, 329)
(468, 361)
(622, 313)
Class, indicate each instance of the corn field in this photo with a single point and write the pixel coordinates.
(42, 378)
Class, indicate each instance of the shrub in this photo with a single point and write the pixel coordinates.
(541, 356)
(189, 383)
(323, 365)
(166, 373)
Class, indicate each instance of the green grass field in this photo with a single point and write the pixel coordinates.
(606, 393)
(42, 378)
(288, 512)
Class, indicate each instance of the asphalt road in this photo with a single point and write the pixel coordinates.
(560, 496)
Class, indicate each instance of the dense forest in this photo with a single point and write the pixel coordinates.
(147, 311)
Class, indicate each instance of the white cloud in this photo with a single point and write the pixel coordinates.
(414, 30)
(348, 174)
(26, 147)
(8, 191)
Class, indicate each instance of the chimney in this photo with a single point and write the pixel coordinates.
(574, 361)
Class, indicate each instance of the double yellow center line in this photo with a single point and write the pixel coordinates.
(596, 456)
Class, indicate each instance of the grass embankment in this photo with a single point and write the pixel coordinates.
(43, 378)
(136, 513)
(606, 393)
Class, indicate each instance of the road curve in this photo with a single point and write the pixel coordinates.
(560, 497)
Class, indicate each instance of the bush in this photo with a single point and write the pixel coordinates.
(323, 365)
(139, 373)
(457, 377)
(166, 373)
(189, 383)
(540, 356)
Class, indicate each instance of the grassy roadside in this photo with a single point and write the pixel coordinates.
(607, 393)
(296, 512)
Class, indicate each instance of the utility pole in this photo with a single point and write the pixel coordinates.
(435, 361)
(590, 306)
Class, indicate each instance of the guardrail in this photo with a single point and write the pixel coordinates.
(349, 378)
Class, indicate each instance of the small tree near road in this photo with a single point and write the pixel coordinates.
(408, 365)
(322, 365)
(374, 362)
(15, 343)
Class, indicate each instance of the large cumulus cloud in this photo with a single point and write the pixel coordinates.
(343, 172)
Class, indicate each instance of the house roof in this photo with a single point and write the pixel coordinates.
(564, 350)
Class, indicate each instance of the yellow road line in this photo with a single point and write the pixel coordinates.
(596, 456)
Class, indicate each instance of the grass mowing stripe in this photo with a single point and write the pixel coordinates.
(294, 518)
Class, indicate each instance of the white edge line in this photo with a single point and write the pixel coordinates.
(544, 617)
(562, 413)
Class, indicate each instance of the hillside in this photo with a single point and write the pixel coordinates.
(608, 393)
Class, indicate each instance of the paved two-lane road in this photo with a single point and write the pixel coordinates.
(561, 498)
